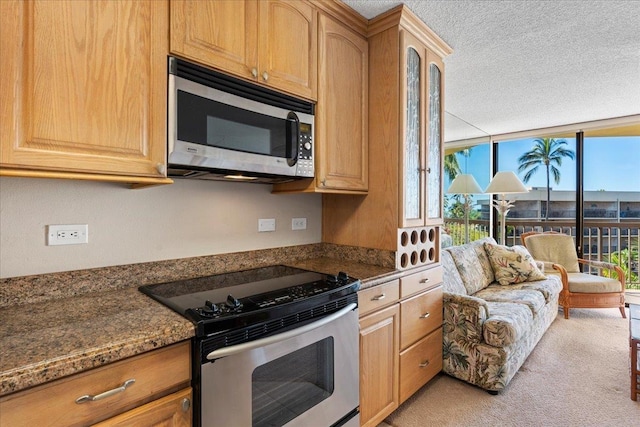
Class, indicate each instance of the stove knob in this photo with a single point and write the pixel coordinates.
(331, 278)
(211, 306)
(232, 302)
(342, 276)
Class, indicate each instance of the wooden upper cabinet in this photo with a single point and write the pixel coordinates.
(422, 130)
(341, 121)
(342, 116)
(83, 88)
(271, 42)
(403, 207)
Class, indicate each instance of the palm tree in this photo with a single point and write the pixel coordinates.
(451, 166)
(548, 152)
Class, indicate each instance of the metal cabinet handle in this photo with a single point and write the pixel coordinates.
(254, 72)
(162, 169)
(424, 364)
(379, 297)
(89, 398)
(424, 280)
(186, 404)
(265, 76)
(424, 316)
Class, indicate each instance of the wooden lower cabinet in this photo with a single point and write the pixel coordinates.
(155, 397)
(400, 343)
(379, 345)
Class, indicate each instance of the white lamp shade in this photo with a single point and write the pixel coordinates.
(506, 182)
(464, 184)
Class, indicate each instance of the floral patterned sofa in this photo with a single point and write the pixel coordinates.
(497, 305)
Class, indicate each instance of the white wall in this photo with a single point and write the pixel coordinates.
(185, 219)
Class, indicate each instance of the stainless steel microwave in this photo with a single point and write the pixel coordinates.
(220, 127)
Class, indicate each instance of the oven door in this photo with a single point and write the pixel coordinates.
(306, 376)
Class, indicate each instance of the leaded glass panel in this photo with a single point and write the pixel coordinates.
(434, 150)
(412, 142)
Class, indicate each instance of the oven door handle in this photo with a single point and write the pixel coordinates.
(235, 349)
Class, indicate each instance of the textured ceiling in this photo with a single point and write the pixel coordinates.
(521, 65)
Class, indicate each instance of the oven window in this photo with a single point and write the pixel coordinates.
(207, 122)
(286, 387)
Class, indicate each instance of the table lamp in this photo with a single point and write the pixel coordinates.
(505, 182)
(465, 184)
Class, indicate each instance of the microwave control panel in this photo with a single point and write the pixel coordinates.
(305, 151)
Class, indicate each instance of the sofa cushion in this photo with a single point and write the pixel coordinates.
(452, 280)
(550, 287)
(473, 264)
(512, 264)
(529, 297)
(507, 323)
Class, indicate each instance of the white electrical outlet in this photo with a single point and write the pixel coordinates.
(298, 223)
(68, 234)
(266, 224)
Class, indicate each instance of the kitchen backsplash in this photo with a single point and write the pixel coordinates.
(38, 288)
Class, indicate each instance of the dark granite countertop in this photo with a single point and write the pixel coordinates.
(43, 339)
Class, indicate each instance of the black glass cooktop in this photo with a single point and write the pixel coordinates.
(238, 299)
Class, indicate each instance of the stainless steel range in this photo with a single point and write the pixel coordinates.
(274, 346)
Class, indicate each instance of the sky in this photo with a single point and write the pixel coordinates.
(611, 164)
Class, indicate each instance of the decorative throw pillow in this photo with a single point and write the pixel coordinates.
(512, 265)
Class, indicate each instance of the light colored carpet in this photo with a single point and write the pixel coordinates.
(578, 375)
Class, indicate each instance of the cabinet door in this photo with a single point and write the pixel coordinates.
(342, 116)
(222, 34)
(379, 365)
(83, 86)
(287, 46)
(434, 140)
(413, 59)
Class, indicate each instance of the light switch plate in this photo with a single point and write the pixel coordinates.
(266, 224)
(298, 223)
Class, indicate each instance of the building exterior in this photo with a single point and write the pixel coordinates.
(612, 206)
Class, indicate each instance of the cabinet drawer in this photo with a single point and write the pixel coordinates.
(419, 363)
(169, 411)
(420, 281)
(420, 315)
(156, 373)
(378, 296)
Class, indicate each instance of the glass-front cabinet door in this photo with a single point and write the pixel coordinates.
(413, 93)
(434, 142)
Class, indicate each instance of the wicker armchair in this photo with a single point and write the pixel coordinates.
(579, 290)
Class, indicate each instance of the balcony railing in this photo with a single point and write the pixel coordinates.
(614, 242)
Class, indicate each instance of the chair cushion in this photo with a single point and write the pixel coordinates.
(555, 248)
(507, 323)
(529, 297)
(473, 264)
(589, 283)
(512, 265)
(452, 280)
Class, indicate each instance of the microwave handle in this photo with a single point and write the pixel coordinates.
(293, 137)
